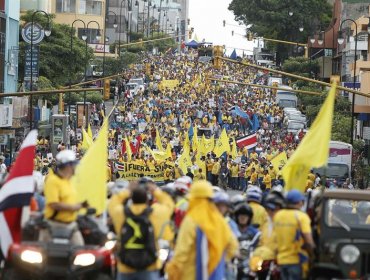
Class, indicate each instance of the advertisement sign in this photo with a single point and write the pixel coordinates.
(6, 115)
(35, 63)
(59, 129)
(36, 37)
(99, 48)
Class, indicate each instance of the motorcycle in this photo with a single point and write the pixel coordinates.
(58, 259)
(265, 269)
(241, 263)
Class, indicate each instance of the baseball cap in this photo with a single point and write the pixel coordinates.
(294, 196)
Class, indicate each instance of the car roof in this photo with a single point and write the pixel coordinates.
(347, 194)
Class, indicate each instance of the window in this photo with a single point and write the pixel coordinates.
(65, 6)
(90, 7)
(91, 35)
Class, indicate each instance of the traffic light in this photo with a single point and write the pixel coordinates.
(106, 89)
(218, 51)
(147, 69)
(250, 36)
(224, 22)
(232, 33)
(191, 32)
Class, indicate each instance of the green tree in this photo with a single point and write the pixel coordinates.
(270, 18)
(116, 65)
(303, 67)
(57, 62)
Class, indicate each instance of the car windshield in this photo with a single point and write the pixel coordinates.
(287, 103)
(295, 125)
(132, 86)
(334, 170)
(347, 214)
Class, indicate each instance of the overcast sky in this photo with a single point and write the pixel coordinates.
(206, 17)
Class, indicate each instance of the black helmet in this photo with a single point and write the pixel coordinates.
(243, 209)
(274, 200)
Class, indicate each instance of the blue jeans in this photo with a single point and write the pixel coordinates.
(291, 272)
(140, 275)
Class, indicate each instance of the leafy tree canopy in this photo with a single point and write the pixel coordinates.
(57, 63)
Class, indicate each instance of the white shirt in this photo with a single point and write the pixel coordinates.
(2, 168)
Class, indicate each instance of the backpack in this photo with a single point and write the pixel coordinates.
(138, 248)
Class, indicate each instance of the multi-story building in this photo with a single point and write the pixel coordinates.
(91, 12)
(146, 16)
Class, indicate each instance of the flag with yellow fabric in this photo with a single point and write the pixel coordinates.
(234, 152)
(95, 161)
(222, 144)
(158, 141)
(86, 140)
(186, 142)
(185, 161)
(313, 151)
(280, 160)
(209, 144)
(195, 143)
(128, 149)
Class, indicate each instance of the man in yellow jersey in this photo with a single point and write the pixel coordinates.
(254, 199)
(292, 229)
(266, 179)
(61, 198)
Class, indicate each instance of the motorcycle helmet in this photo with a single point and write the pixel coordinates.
(243, 209)
(221, 198)
(170, 190)
(182, 185)
(254, 193)
(216, 189)
(66, 157)
(117, 187)
(237, 199)
(274, 200)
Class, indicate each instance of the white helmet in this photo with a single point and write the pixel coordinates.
(66, 157)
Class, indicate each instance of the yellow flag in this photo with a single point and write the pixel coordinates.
(91, 174)
(186, 142)
(128, 149)
(168, 151)
(222, 144)
(209, 144)
(234, 152)
(313, 151)
(158, 141)
(185, 161)
(89, 131)
(195, 144)
(279, 160)
(86, 140)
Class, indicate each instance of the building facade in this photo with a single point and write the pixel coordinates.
(68, 11)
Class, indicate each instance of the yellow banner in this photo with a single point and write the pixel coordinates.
(170, 84)
(279, 160)
(133, 171)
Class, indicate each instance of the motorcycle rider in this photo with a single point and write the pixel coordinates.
(254, 199)
(61, 205)
(181, 186)
(243, 214)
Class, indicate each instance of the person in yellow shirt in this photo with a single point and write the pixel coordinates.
(216, 171)
(273, 202)
(254, 199)
(209, 166)
(254, 176)
(234, 171)
(267, 179)
(168, 174)
(61, 205)
(160, 214)
(292, 230)
(272, 173)
(202, 223)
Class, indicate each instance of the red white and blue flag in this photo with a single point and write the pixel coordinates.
(249, 141)
(16, 192)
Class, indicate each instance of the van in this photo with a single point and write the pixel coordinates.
(285, 98)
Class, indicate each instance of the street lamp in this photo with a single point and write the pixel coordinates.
(301, 28)
(159, 16)
(129, 20)
(98, 37)
(152, 29)
(290, 13)
(148, 24)
(105, 36)
(137, 4)
(84, 37)
(340, 42)
(47, 34)
(312, 40)
(119, 29)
